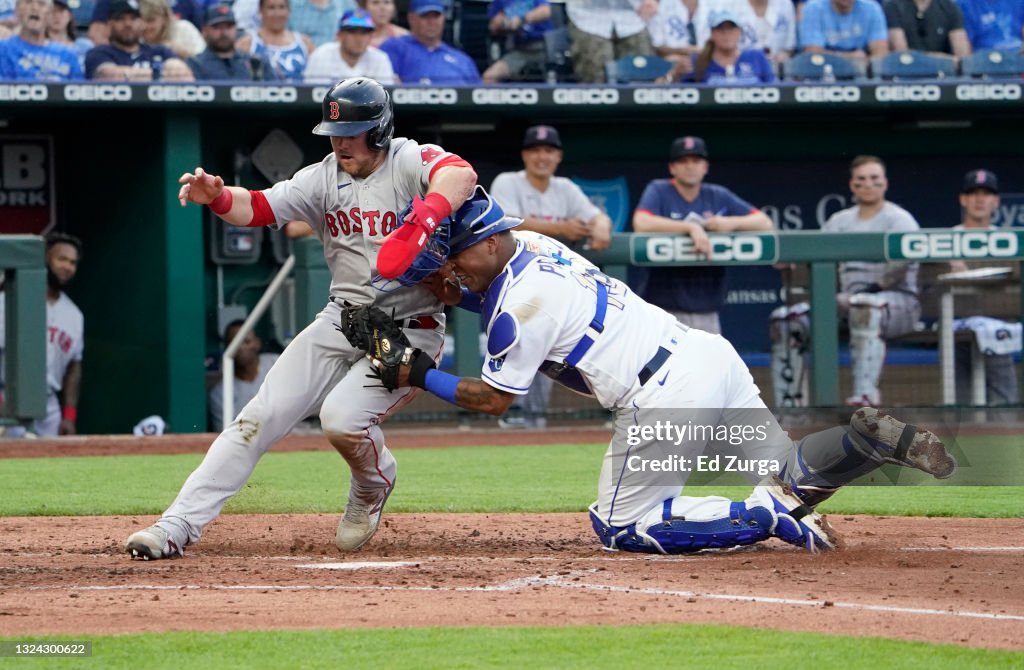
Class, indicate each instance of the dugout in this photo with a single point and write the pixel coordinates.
(147, 288)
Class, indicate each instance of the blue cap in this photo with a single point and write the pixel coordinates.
(356, 19)
(219, 13)
(720, 16)
(420, 7)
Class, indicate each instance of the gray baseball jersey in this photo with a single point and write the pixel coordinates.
(563, 199)
(854, 276)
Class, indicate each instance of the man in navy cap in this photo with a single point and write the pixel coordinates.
(421, 57)
(220, 60)
(351, 55)
(126, 58)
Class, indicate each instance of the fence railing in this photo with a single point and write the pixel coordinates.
(23, 264)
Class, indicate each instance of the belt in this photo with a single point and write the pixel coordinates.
(653, 365)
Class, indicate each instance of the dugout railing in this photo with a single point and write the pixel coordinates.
(23, 264)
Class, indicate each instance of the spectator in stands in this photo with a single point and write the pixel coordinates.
(351, 55)
(994, 24)
(979, 198)
(126, 58)
(383, 13)
(8, 17)
(931, 26)
(768, 25)
(221, 60)
(854, 29)
(554, 206)
(605, 30)
(522, 25)
(878, 299)
(99, 28)
(687, 205)
(421, 57)
(680, 28)
(161, 26)
(251, 368)
(721, 61)
(318, 18)
(30, 55)
(285, 50)
(247, 15)
(60, 29)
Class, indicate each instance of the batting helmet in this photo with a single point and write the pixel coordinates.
(358, 105)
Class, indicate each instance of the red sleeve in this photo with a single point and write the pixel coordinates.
(262, 214)
(451, 160)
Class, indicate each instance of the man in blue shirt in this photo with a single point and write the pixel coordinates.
(421, 57)
(855, 29)
(686, 205)
(126, 58)
(29, 54)
(220, 60)
(994, 24)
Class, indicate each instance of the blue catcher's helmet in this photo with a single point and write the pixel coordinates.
(477, 219)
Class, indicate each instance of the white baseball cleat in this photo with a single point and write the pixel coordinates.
(362, 516)
(797, 523)
(152, 544)
(903, 443)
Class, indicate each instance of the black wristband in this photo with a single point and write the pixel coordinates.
(418, 368)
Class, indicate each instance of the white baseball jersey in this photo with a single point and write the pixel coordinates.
(563, 199)
(65, 338)
(326, 65)
(856, 275)
(553, 302)
(351, 215)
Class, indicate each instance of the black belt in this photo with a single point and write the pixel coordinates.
(653, 365)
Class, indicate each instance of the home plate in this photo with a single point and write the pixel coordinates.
(359, 565)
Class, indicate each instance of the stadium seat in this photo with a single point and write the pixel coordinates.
(993, 64)
(636, 67)
(912, 65)
(556, 49)
(611, 195)
(817, 66)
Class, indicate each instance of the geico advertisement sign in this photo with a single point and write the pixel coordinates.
(724, 249)
(941, 246)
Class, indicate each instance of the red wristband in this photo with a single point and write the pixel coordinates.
(222, 203)
(70, 414)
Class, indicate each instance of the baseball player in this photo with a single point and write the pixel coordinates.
(351, 199)
(546, 308)
(65, 333)
(878, 299)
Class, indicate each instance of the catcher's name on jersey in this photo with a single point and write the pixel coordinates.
(551, 296)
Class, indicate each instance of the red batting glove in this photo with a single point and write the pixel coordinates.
(402, 246)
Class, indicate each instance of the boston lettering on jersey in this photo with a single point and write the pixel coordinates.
(352, 222)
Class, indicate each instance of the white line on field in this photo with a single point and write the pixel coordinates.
(978, 550)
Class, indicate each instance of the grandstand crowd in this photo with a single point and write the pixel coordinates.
(469, 42)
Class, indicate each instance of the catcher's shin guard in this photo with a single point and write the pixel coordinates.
(709, 523)
(790, 334)
(868, 312)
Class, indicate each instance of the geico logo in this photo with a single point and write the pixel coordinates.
(103, 92)
(586, 96)
(737, 248)
(909, 92)
(827, 94)
(754, 95)
(426, 96)
(263, 94)
(666, 96)
(504, 96)
(30, 92)
(988, 92)
(317, 93)
(958, 245)
(183, 93)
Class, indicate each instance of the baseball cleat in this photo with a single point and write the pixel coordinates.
(903, 443)
(152, 544)
(797, 523)
(362, 516)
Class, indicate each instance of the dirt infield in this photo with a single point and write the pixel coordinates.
(955, 581)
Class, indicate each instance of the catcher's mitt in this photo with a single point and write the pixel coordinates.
(363, 324)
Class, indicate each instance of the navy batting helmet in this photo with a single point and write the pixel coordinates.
(358, 105)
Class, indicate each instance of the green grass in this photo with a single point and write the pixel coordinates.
(553, 478)
(655, 646)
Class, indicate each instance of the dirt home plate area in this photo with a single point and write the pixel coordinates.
(958, 581)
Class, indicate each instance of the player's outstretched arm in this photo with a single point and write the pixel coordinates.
(231, 203)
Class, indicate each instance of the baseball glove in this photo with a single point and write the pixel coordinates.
(362, 325)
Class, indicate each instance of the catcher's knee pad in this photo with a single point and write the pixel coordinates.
(867, 313)
(662, 531)
(790, 334)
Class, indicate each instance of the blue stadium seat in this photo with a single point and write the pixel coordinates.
(611, 195)
(993, 64)
(912, 65)
(818, 66)
(636, 67)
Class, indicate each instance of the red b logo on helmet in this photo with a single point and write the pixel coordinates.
(335, 112)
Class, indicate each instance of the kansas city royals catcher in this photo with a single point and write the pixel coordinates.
(546, 308)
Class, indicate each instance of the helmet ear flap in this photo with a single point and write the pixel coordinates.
(378, 138)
